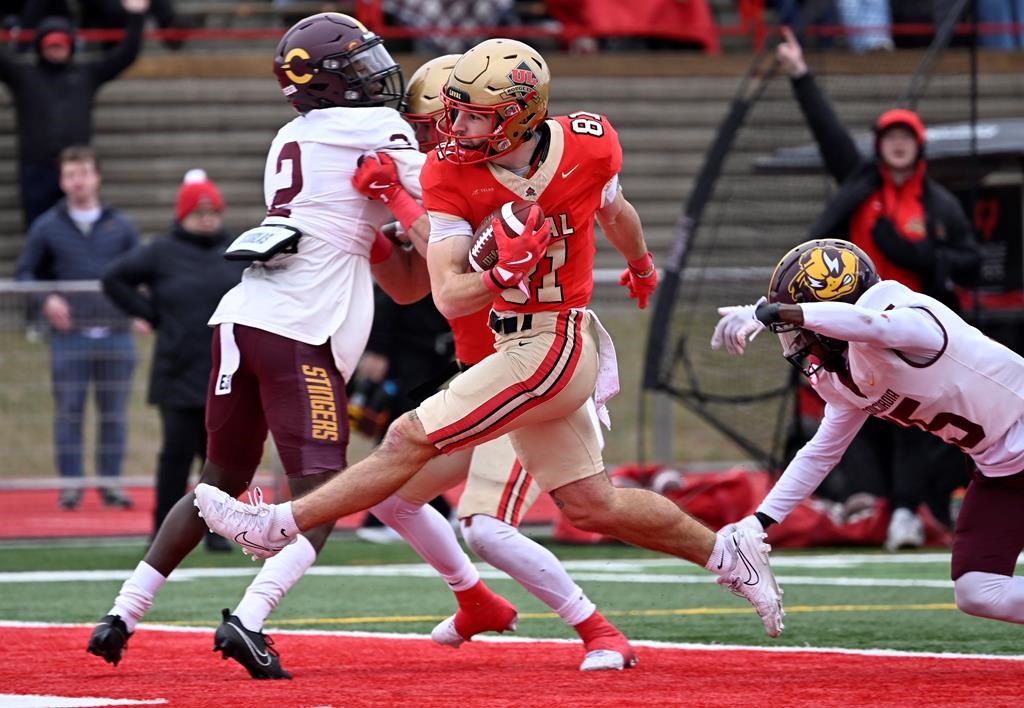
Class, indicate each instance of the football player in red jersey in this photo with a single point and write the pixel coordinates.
(500, 145)
(498, 492)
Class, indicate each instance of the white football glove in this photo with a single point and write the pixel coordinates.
(747, 522)
(738, 326)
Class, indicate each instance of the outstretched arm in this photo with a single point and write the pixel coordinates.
(813, 462)
(835, 143)
(127, 50)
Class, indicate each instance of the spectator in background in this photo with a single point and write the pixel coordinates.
(915, 232)
(98, 14)
(450, 14)
(91, 339)
(868, 24)
(174, 284)
(1004, 13)
(804, 14)
(54, 100)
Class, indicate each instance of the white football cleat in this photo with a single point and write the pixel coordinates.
(905, 531)
(249, 525)
(607, 660)
(444, 633)
(751, 577)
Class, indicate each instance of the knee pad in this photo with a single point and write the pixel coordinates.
(980, 594)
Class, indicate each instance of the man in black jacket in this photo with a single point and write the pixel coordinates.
(915, 232)
(54, 100)
(175, 283)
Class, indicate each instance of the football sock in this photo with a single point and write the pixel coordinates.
(284, 521)
(723, 556)
(991, 595)
(430, 534)
(277, 576)
(137, 593)
(595, 627)
(528, 563)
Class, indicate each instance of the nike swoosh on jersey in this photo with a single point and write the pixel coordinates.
(570, 171)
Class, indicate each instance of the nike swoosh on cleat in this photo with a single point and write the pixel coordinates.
(241, 540)
(753, 578)
(260, 655)
(570, 171)
(721, 560)
(524, 259)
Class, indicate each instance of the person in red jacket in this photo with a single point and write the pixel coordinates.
(916, 233)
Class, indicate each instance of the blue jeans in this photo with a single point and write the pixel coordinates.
(108, 362)
(869, 24)
(1002, 12)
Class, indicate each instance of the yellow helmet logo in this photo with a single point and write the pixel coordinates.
(297, 53)
(825, 273)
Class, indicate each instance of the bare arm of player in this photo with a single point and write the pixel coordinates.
(621, 226)
(457, 292)
(401, 273)
(419, 234)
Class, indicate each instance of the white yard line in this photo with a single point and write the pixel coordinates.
(609, 572)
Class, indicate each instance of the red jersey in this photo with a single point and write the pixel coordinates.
(474, 339)
(583, 155)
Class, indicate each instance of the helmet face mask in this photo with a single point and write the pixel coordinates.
(330, 60)
(499, 89)
(821, 270)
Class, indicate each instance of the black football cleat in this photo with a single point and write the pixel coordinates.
(253, 650)
(109, 639)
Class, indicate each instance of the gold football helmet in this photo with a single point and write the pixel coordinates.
(821, 270)
(507, 83)
(421, 105)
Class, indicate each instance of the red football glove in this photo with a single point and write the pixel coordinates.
(517, 255)
(376, 177)
(641, 278)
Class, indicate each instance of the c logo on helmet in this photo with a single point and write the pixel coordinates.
(297, 53)
(824, 273)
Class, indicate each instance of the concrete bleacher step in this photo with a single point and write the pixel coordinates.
(149, 131)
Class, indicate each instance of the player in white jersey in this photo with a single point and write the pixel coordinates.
(288, 336)
(878, 348)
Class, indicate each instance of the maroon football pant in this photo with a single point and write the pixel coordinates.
(990, 526)
(292, 389)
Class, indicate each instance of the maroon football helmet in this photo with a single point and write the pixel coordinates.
(330, 60)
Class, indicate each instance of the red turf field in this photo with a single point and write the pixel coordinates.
(336, 670)
(35, 514)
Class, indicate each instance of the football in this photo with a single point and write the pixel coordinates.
(483, 254)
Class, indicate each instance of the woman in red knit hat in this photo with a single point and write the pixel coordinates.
(185, 275)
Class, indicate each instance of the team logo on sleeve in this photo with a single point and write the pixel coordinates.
(826, 273)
